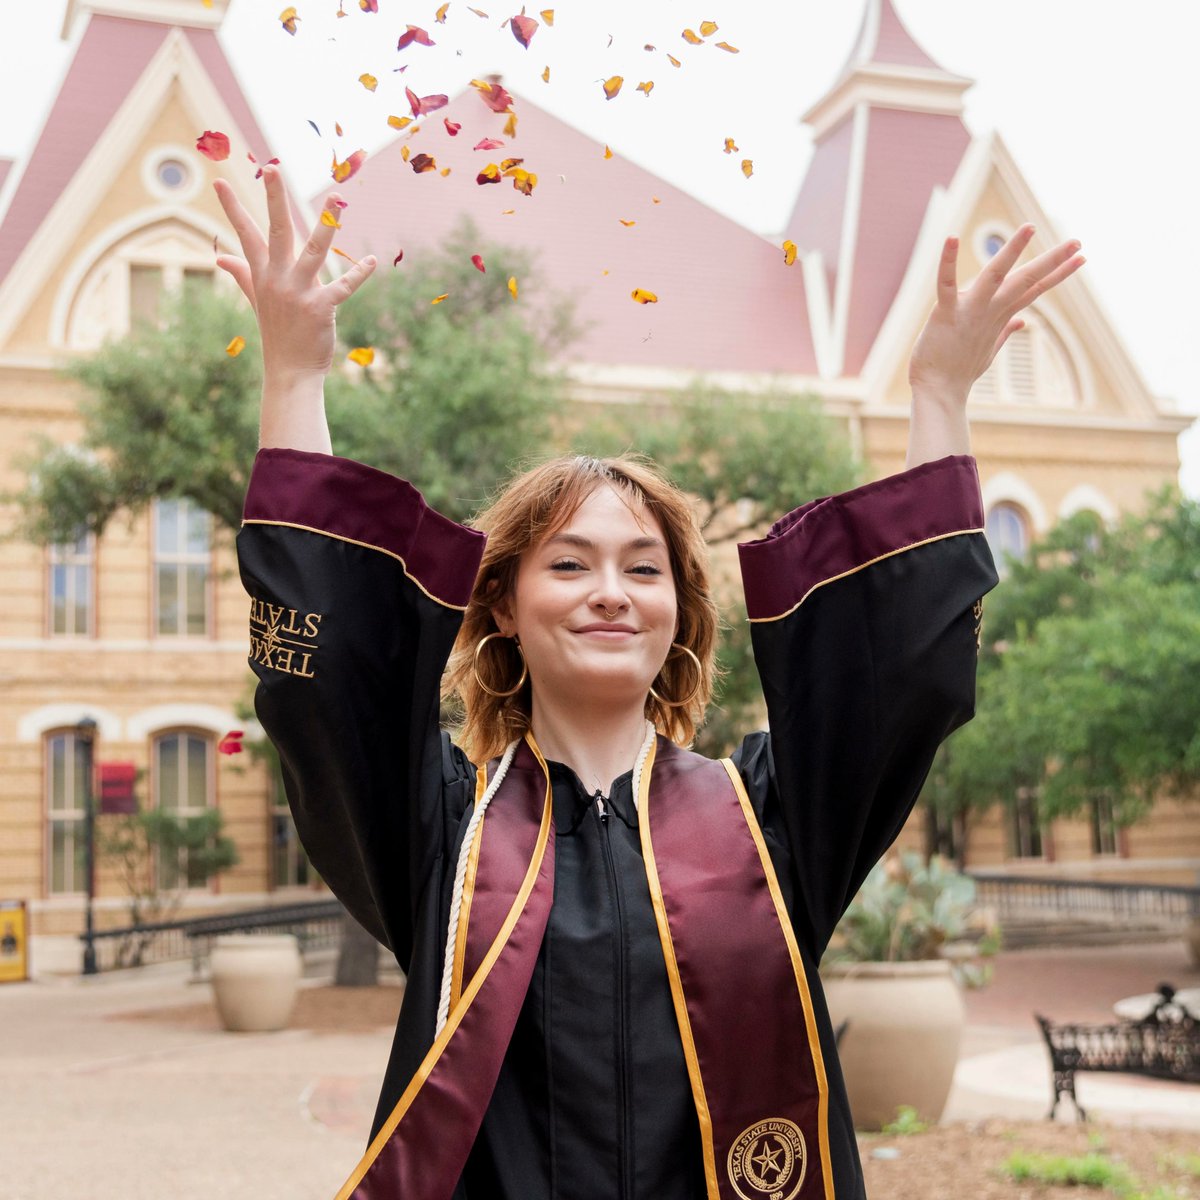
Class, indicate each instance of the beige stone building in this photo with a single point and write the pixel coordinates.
(144, 629)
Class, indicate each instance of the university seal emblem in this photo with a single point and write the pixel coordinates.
(768, 1161)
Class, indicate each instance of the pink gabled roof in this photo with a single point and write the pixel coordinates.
(726, 299)
(883, 39)
(908, 154)
(212, 57)
(111, 56)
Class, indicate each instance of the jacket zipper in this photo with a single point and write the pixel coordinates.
(625, 1143)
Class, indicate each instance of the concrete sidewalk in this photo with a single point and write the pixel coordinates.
(101, 1108)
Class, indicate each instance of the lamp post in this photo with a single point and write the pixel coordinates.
(85, 732)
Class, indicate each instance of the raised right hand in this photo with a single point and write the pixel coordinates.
(295, 310)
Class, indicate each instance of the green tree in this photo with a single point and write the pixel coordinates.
(1087, 675)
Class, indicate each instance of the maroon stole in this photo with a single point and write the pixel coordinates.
(737, 981)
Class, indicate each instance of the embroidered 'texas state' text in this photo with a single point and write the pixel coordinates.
(283, 639)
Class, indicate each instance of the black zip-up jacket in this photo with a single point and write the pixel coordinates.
(865, 610)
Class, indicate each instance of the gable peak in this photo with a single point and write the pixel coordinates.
(194, 14)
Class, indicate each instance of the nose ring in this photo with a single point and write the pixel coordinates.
(610, 616)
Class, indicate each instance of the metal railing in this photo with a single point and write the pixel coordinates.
(316, 924)
(1023, 896)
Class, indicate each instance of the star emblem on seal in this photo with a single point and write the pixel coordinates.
(768, 1160)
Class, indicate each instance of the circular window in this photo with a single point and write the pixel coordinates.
(992, 244)
(173, 174)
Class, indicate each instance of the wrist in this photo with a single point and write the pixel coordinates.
(941, 397)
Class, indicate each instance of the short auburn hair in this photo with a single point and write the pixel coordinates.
(533, 506)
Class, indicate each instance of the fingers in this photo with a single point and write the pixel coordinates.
(239, 268)
(254, 247)
(346, 285)
(947, 277)
(996, 272)
(1012, 327)
(316, 249)
(281, 232)
(1045, 272)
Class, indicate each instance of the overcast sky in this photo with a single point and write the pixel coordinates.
(1093, 100)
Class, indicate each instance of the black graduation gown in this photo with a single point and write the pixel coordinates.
(865, 610)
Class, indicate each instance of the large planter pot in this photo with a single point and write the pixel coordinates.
(255, 979)
(904, 1024)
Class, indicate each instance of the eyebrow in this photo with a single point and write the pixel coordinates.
(575, 539)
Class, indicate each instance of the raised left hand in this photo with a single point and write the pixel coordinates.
(967, 328)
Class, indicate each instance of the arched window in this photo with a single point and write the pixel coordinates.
(1007, 530)
(66, 798)
(1032, 368)
(182, 553)
(183, 782)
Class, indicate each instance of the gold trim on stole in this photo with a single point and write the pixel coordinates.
(789, 935)
(941, 537)
(459, 1010)
(677, 997)
(464, 911)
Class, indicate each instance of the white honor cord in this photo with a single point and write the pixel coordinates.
(460, 875)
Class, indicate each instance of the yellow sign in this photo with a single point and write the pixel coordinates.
(14, 945)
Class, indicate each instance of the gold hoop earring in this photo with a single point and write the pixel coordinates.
(699, 680)
(483, 641)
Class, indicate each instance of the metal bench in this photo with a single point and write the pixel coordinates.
(1164, 1044)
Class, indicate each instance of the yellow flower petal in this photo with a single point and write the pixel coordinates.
(607, 152)
(399, 122)
(440, 15)
(510, 126)
(730, 147)
(789, 252)
(646, 87)
(328, 218)
(547, 15)
(369, 82)
(512, 286)
(727, 46)
(747, 167)
(689, 35)
(236, 346)
(626, 223)
(613, 86)
(656, 199)
(546, 75)
(674, 61)
(439, 299)
(364, 356)
(642, 296)
(708, 28)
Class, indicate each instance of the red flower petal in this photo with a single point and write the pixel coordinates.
(422, 162)
(477, 259)
(493, 95)
(524, 28)
(489, 144)
(452, 127)
(421, 105)
(489, 174)
(414, 33)
(397, 260)
(213, 145)
(369, 5)
(231, 743)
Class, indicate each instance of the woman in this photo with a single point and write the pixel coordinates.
(610, 943)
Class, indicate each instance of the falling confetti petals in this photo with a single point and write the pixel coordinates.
(613, 86)
(399, 122)
(493, 95)
(369, 5)
(288, 20)
(343, 254)
(730, 147)
(452, 127)
(689, 35)
(231, 743)
(369, 82)
(423, 162)
(547, 15)
(642, 296)
(524, 181)
(507, 212)
(523, 29)
(414, 33)
(213, 145)
(708, 28)
(727, 46)
(328, 218)
(421, 105)
(626, 223)
(789, 252)
(546, 75)
(747, 167)
(439, 299)
(477, 261)
(398, 259)
(607, 152)
(646, 87)
(512, 286)
(674, 61)
(404, 153)
(489, 174)
(236, 346)
(314, 128)
(364, 356)
(344, 170)
(477, 11)
(510, 126)
(489, 144)
(440, 15)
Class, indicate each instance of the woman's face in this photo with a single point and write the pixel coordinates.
(608, 559)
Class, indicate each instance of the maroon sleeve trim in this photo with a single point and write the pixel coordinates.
(355, 503)
(838, 535)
